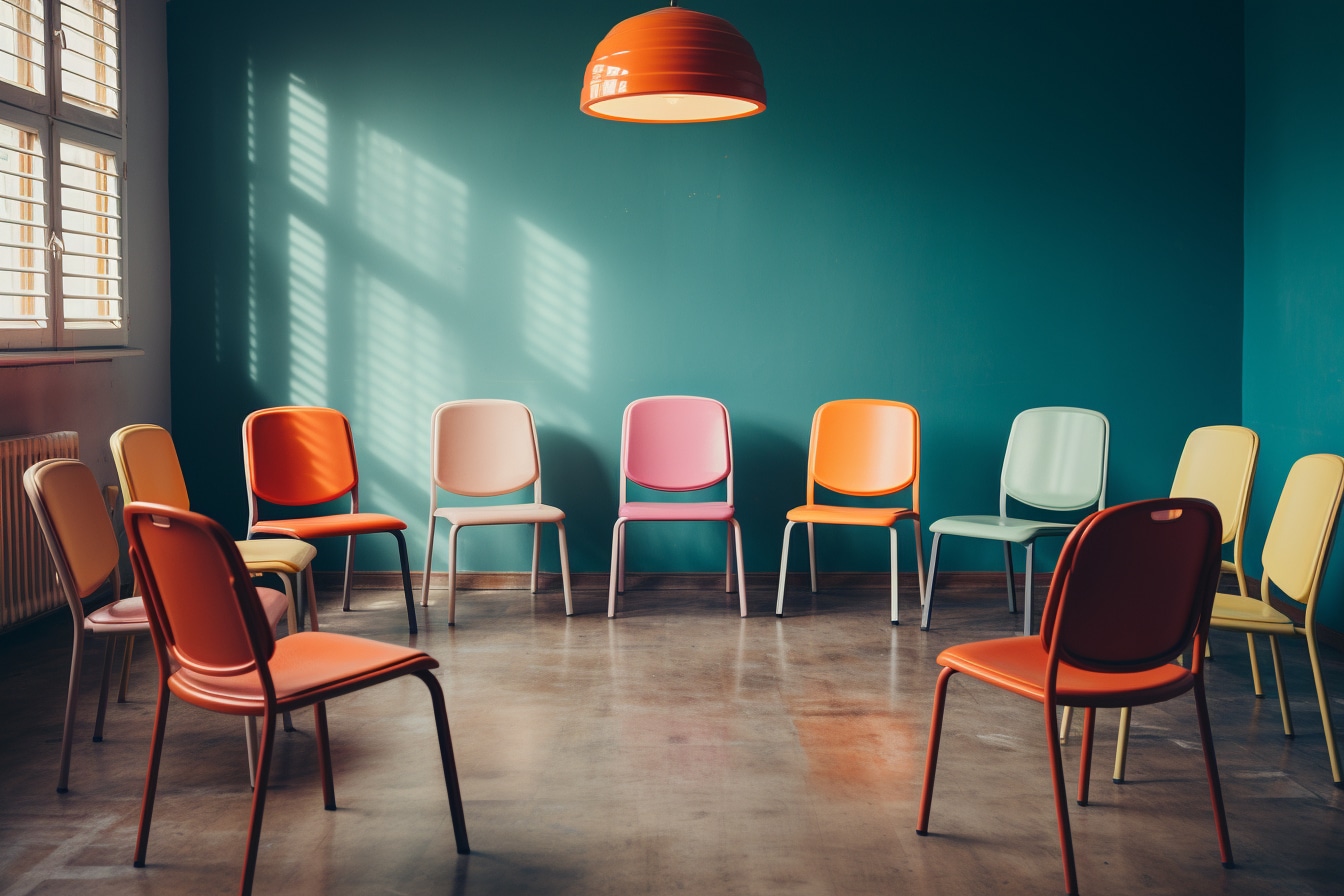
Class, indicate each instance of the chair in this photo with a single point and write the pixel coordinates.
(484, 448)
(867, 447)
(216, 651)
(1132, 591)
(301, 456)
(1056, 461)
(1297, 549)
(675, 443)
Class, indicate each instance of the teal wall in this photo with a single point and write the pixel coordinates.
(976, 207)
(1294, 340)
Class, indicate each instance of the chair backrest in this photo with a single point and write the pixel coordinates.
(1056, 459)
(1297, 547)
(484, 447)
(864, 446)
(147, 466)
(1218, 465)
(298, 455)
(676, 443)
(1134, 586)
(203, 610)
(74, 522)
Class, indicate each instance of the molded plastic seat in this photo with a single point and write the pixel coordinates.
(216, 651)
(1132, 592)
(484, 448)
(862, 447)
(1056, 460)
(676, 443)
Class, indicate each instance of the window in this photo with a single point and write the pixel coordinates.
(62, 269)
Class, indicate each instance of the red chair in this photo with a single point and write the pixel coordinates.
(301, 456)
(1131, 593)
(216, 650)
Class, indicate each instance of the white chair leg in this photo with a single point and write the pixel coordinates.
(1026, 616)
(1012, 580)
(452, 573)
(620, 573)
(250, 737)
(536, 553)
(783, 569)
(928, 587)
(564, 569)
(429, 556)
(895, 612)
(919, 558)
(349, 576)
(812, 555)
(615, 561)
(728, 563)
(741, 578)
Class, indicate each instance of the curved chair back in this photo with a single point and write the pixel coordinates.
(676, 443)
(863, 446)
(1056, 460)
(484, 447)
(299, 455)
(74, 521)
(1303, 528)
(1218, 465)
(1134, 586)
(147, 466)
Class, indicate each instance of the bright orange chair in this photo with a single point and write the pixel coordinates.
(301, 456)
(1132, 592)
(859, 446)
(216, 651)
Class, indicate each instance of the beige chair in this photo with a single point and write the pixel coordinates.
(485, 448)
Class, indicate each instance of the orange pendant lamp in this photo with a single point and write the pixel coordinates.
(673, 65)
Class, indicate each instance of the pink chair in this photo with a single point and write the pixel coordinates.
(675, 443)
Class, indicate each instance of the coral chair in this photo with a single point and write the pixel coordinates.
(216, 651)
(485, 448)
(301, 456)
(1296, 552)
(675, 443)
(1131, 593)
(859, 446)
(1056, 461)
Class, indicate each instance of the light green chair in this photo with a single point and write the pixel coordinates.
(1056, 461)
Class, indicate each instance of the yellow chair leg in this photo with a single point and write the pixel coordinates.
(1121, 747)
(1324, 700)
(1283, 688)
(1255, 665)
(1065, 724)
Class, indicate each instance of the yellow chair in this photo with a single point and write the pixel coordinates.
(1297, 549)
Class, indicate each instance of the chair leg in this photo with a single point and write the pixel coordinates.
(406, 581)
(126, 654)
(931, 757)
(1065, 725)
(1211, 767)
(292, 610)
(741, 577)
(1085, 760)
(449, 766)
(728, 563)
(536, 553)
(310, 596)
(71, 702)
(615, 561)
(1277, 659)
(1061, 799)
(103, 688)
(812, 554)
(1323, 698)
(453, 530)
(1121, 747)
(1012, 579)
(250, 738)
(324, 756)
(349, 572)
(783, 569)
(620, 571)
(564, 569)
(919, 558)
(932, 579)
(152, 775)
(1031, 574)
(1255, 665)
(258, 803)
(429, 556)
(895, 610)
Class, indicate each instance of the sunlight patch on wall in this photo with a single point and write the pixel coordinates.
(555, 306)
(253, 311)
(411, 207)
(308, 153)
(251, 113)
(308, 347)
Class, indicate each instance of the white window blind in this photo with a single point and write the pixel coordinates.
(91, 237)
(23, 30)
(24, 302)
(90, 55)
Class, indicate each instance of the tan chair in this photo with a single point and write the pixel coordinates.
(485, 448)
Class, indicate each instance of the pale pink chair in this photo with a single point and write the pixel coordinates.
(675, 443)
(485, 448)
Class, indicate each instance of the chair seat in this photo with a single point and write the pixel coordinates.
(286, 555)
(1019, 665)
(119, 617)
(330, 526)
(658, 510)
(998, 528)
(885, 517)
(501, 514)
(1248, 614)
(306, 668)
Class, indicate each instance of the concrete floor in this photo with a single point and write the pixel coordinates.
(677, 748)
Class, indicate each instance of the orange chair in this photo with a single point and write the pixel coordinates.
(301, 456)
(859, 446)
(216, 651)
(1132, 592)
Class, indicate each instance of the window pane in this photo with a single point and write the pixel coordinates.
(23, 229)
(91, 232)
(22, 30)
(90, 55)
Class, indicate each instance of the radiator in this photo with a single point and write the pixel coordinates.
(28, 585)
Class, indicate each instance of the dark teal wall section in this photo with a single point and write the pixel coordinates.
(1294, 343)
(975, 207)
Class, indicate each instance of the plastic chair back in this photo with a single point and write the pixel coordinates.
(200, 598)
(147, 466)
(676, 443)
(299, 455)
(1056, 459)
(863, 446)
(1218, 465)
(74, 521)
(1303, 528)
(1134, 585)
(483, 447)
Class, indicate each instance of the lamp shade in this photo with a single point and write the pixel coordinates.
(673, 65)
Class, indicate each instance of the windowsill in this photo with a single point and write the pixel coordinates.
(65, 356)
